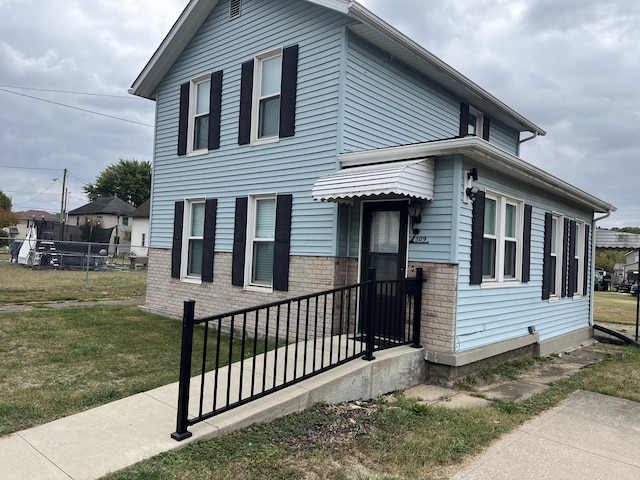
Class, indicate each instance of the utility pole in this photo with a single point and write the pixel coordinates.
(62, 205)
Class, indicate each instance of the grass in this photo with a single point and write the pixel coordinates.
(21, 285)
(55, 363)
(612, 307)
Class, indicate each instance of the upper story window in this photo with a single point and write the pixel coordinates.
(268, 97)
(502, 242)
(474, 122)
(267, 82)
(200, 112)
(199, 115)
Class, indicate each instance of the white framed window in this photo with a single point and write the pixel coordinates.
(193, 242)
(502, 241)
(261, 228)
(267, 81)
(476, 121)
(198, 129)
(557, 255)
(579, 258)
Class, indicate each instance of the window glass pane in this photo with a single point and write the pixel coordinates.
(202, 97)
(269, 121)
(384, 232)
(271, 76)
(265, 218)
(489, 216)
(554, 235)
(197, 219)
(489, 258)
(195, 257)
(473, 121)
(262, 263)
(552, 282)
(201, 133)
(509, 259)
(510, 221)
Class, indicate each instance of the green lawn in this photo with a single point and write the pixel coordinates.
(612, 307)
(21, 285)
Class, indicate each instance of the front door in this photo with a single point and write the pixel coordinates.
(384, 247)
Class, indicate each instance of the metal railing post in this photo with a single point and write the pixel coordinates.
(182, 422)
(369, 312)
(417, 308)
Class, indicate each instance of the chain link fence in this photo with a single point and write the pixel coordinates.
(64, 255)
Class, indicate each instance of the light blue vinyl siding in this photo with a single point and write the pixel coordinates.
(290, 166)
(503, 137)
(386, 104)
(488, 314)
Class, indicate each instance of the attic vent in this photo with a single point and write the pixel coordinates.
(234, 8)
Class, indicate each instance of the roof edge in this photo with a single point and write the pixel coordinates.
(486, 154)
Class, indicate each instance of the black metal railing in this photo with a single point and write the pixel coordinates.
(250, 353)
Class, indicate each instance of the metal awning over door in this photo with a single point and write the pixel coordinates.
(411, 178)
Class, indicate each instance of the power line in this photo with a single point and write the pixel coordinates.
(31, 168)
(77, 108)
(70, 92)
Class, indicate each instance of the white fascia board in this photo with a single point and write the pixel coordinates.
(341, 6)
(187, 25)
(485, 154)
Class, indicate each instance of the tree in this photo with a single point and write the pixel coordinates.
(129, 180)
(7, 217)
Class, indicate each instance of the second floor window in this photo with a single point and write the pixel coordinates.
(199, 123)
(267, 102)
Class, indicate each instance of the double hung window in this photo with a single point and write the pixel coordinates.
(556, 256)
(502, 242)
(268, 80)
(261, 241)
(199, 121)
(195, 239)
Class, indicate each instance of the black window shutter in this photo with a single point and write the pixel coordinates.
(564, 257)
(526, 245)
(282, 243)
(239, 242)
(183, 119)
(587, 250)
(208, 245)
(573, 264)
(486, 127)
(246, 99)
(288, 91)
(477, 238)
(546, 264)
(176, 248)
(215, 110)
(464, 119)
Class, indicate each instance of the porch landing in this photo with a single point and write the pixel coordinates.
(93, 443)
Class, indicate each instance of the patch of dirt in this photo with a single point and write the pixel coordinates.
(341, 424)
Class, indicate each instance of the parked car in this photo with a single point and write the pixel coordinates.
(624, 287)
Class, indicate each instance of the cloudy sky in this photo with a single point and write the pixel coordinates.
(570, 66)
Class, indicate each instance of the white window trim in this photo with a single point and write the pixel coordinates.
(479, 120)
(556, 295)
(251, 223)
(186, 236)
(255, 104)
(501, 203)
(580, 254)
(193, 98)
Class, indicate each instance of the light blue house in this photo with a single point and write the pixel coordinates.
(299, 143)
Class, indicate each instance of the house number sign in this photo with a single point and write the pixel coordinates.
(419, 239)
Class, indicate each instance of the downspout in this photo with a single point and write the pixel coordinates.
(593, 264)
(520, 142)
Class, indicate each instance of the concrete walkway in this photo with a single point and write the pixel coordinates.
(91, 444)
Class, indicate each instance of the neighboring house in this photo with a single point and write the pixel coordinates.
(631, 267)
(140, 230)
(110, 212)
(293, 140)
(45, 223)
(629, 243)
